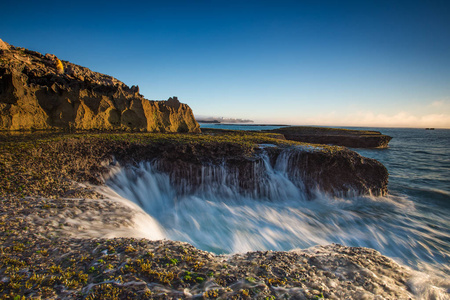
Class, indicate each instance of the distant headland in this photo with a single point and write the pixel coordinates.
(218, 120)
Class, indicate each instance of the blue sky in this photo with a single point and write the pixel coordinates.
(352, 63)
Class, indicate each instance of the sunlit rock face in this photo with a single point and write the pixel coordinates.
(40, 92)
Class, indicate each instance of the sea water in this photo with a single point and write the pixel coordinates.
(410, 225)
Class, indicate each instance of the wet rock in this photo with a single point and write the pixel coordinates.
(338, 172)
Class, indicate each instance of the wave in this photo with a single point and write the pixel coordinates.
(219, 219)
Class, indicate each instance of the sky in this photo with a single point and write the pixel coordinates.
(342, 63)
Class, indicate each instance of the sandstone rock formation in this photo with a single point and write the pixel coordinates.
(40, 92)
(334, 136)
(3, 45)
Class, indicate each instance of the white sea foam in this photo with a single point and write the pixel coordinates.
(142, 224)
(218, 218)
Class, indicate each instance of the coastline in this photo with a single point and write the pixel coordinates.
(64, 239)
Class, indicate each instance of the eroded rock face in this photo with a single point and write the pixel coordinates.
(343, 174)
(196, 168)
(37, 92)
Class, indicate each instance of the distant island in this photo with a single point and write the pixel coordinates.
(221, 120)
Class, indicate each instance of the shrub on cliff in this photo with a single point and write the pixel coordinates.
(59, 66)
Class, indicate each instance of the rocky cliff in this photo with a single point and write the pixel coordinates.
(41, 92)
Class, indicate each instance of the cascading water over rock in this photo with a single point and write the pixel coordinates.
(284, 199)
(310, 169)
(274, 210)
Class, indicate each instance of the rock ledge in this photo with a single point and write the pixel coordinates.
(334, 136)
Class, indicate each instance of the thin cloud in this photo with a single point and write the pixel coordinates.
(438, 103)
(370, 119)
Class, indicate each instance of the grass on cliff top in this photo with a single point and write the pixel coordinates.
(245, 139)
(50, 164)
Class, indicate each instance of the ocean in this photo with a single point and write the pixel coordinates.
(410, 225)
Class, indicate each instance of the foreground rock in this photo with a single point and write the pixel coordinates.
(334, 136)
(43, 256)
(41, 92)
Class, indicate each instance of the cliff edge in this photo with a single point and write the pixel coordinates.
(41, 92)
